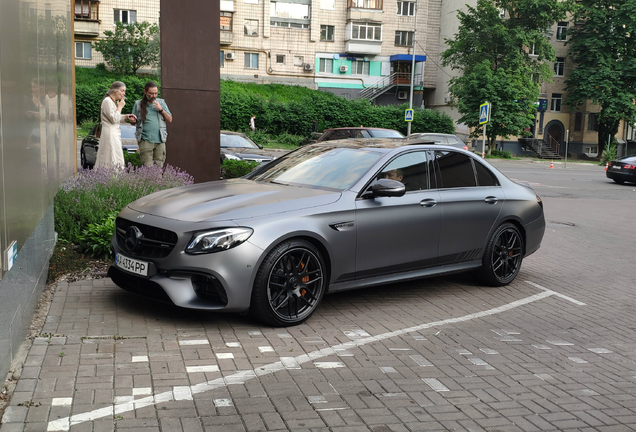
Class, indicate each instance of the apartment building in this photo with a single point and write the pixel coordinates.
(354, 48)
(94, 17)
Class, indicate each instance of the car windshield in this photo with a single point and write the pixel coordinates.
(385, 133)
(323, 166)
(128, 132)
(236, 141)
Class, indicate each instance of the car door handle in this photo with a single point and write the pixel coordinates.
(491, 200)
(428, 202)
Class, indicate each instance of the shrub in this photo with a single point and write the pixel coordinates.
(609, 153)
(133, 159)
(500, 154)
(96, 238)
(92, 196)
(237, 168)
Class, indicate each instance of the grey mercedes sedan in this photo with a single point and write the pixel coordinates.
(327, 217)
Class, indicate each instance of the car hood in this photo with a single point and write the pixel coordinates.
(229, 200)
(247, 153)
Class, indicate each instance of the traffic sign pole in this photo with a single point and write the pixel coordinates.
(483, 144)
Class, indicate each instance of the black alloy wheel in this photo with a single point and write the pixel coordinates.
(503, 256)
(290, 284)
(83, 160)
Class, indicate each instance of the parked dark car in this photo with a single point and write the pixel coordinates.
(622, 170)
(444, 139)
(358, 132)
(90, 144)
(238, 146)
(327, 217)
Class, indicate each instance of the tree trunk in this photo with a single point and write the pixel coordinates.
(606, 131)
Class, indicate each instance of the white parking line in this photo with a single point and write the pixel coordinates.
(240, 377)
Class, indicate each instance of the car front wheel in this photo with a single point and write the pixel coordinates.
(503, 256)
(289, 284)
(85, 164)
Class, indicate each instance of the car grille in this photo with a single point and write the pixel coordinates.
(152, 243)
(137, 285)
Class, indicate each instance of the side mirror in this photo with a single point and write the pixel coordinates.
(259, 146)
(388, 188)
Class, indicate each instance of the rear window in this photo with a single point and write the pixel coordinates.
(128, 132)
(380, 133)
(455, 170)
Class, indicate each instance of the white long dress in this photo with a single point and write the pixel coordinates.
(110, 152)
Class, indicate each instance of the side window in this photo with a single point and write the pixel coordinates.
(410, 169)
(340, 134)
(485, 177)
(455, 170)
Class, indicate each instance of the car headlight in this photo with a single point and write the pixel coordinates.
(231, 157)
(218, 240)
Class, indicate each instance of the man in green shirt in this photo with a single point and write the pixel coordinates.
(152, 115)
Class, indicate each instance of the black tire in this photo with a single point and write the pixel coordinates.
(619, 181)
(503, 256)
(83, 162)
(289, 284)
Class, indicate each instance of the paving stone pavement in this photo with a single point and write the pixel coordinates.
(555, 350)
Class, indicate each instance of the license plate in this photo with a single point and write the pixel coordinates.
(131, 265)
(616, 167)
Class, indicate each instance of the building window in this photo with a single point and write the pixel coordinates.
(562, 31)
(86, 10)
(406, 8)
(280, 59)
(404, 38)
(83, 50)
(326, 65)
(250, 27)
(366, 31)
(559, 66)
(222, 61)
(364, 4)
(288, 12)
(359, 67)
(592, 123)
(328, 4)
(251, 60)
(125, 16)
(556, 102)
(298, 60)
(326, 33)
(578, 119)
(226, 21)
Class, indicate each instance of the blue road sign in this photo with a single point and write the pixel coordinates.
(484, 113)
(408, 115)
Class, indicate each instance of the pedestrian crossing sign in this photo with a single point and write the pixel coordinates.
(408, 115)
(484, 113)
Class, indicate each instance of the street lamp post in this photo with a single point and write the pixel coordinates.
(408, 127)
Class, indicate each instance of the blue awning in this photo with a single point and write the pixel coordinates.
(408, 57)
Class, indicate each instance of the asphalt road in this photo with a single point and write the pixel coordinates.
(554, 350)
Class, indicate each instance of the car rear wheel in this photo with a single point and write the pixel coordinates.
(503, 256)
(85, 164)
(289, 284)
(619, 181)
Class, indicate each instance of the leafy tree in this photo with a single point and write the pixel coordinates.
(491, 53)
(128, 48)
(603, 48)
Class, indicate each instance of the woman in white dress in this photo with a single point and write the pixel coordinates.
(110, 152)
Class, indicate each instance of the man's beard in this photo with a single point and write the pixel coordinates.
(151, 99)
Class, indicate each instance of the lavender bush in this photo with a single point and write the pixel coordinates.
(93, 195)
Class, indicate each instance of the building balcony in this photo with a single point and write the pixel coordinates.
(226, 37)
(357, 46)
(86, 28)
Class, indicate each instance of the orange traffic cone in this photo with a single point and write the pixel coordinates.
(606, 166)
(552, 164)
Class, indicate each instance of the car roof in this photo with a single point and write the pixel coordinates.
(376, 143)
(416, 134)
(233, 133)
(359, 128)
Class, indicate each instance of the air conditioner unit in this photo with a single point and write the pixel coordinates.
(229, 56)
(344, 68)
(308, 67)
(403, 95)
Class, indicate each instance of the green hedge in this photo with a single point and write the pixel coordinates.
(279, 109)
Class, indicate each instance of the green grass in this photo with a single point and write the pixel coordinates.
(276, 145)
(84, 128)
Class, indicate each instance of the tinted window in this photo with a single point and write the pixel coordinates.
(338, 134)
(455, 170)
(380, 133)
(128, 132)
(410, 169)
(323, 166)
(484, 176)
